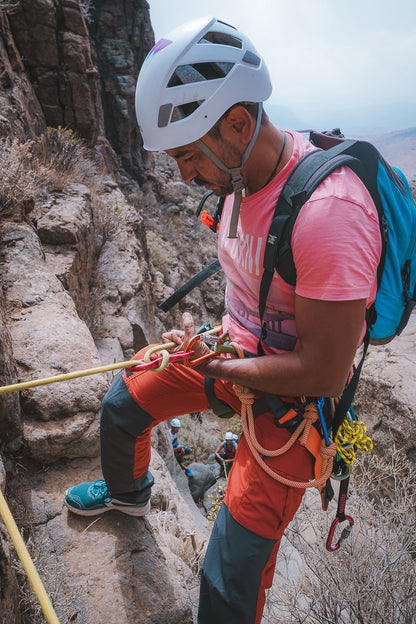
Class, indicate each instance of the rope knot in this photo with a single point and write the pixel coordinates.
(328, 451)
(311, 413)
(245, 395)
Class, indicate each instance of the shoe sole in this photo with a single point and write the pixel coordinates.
(129, 511)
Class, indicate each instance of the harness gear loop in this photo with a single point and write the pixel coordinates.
(302, 432)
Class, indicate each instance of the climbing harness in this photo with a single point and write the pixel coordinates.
(301, 433)
(332, 459)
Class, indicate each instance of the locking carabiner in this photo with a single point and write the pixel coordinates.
(340, 517)
(344, 534)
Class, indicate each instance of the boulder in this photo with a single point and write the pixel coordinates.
(203, 478)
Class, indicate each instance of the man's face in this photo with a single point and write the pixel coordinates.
(175, 429)
(195, 166)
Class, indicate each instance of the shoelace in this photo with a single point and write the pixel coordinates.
(99, 489)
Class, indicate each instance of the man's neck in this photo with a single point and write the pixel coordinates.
(270, 154)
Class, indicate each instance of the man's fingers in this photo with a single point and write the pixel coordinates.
(176, 335)
(188, 325)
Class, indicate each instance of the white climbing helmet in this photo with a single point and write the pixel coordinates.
(175, 422)
(191, 77)
(229, 436)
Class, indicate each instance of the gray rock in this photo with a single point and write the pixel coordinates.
(203, 478)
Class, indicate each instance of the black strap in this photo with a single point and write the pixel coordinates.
(197, 279)
(342, 499)
(347, 396)
(305, 178)
(216, 405)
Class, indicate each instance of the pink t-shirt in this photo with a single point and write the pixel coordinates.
(336, 248)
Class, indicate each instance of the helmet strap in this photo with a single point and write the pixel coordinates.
(235, 172)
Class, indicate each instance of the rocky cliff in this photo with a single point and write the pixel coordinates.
(85, 256)
(79, 290)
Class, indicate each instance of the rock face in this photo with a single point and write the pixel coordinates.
(386, 396)
(78, 291)
(121, 36)
(84, 71)
(81, 272)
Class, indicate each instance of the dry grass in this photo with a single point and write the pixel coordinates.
(65, 598)
(181, 543)
(370, 580)
(35, 168)
(183, 548)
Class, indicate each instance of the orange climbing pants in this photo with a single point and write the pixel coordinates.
(241, 555)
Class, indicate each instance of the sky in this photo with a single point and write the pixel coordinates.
(332, 63)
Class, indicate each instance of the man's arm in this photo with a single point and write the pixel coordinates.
(218, 451)
(328, 333)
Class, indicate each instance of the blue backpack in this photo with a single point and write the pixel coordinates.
(389, 189)
(396, 275)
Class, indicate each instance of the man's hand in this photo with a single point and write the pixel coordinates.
(199, 347)
(181, 337)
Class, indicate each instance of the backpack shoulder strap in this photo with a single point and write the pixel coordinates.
(305, 178)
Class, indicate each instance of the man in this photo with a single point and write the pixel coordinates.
(199, 97)
(180, 450)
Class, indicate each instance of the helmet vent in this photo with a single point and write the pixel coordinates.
(199, 72)
(185, 110)
(221, 39)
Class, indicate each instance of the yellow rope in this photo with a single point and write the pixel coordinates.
(92, 371)
(350, 435)
(27, 563)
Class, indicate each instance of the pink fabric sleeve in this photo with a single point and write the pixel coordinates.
(336, 245)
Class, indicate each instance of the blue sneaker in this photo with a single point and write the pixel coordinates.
(189, 472)
(93, 498)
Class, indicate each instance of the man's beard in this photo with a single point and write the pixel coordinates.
(228, 155)
(220, 189)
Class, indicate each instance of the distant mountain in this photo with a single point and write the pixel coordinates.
(399, 148)
(354, 120)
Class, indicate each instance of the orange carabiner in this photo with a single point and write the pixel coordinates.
(197, 361)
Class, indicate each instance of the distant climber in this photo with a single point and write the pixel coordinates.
(225, 452)
(180, 450)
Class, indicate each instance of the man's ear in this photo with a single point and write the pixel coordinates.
(238, 124)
